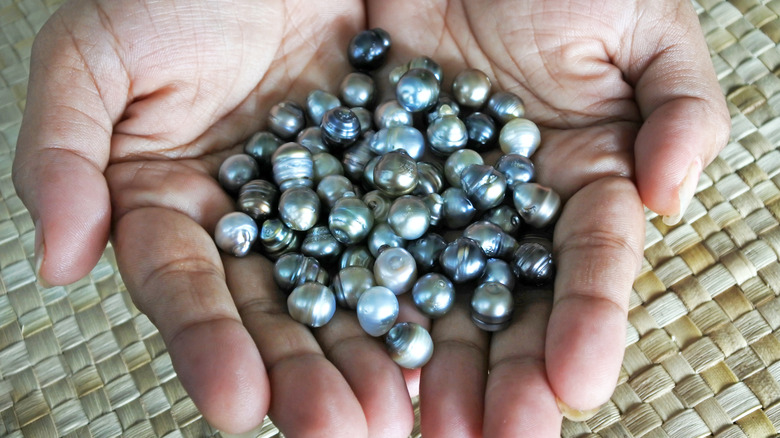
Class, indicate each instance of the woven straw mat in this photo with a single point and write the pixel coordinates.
(703, 347)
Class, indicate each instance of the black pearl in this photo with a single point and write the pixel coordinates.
(357, 157)
(258, 199)
(505, 217)
(311, 139)
(292, 270)
(368, 49)
(482, 131)
(286, 119)
(340, 127)
(457, 210)
(462, 260)
(533, 260)
(426, 251)
(391, 113)
(278, 239)
(395, 174)
(505, 106)
(484, 185)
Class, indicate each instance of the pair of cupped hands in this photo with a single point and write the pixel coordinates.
(133, 104)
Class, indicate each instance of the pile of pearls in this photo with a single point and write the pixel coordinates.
(357, 198)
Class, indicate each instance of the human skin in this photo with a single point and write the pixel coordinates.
(132, 105)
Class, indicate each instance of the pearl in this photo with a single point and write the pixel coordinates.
(293, 269)
(458, 162)
(357, 156)
(320, 244)
(368, 49)
(357, 89)
(493, 241)
(409, 217)
(498, 271)
(379, 204)
(261, 146)
(447, 134)
(462, 260)
(482, 131)
(332, 188)
(325, 164)
(492, 306)
(426, 250)
(365, 118)
(391, 113)
(311, 139)
(299, 208)
(471, 88)
(505, 217)
(505, 106)
(409, 345)
(382, 236)
(292, 166)
(312, 304)
(407, 138)
(520, 136)
(484, 186)
(395, 174)
(318, 102)
(350, 283)
(457, 210)
(515, 168)
(537, 205)
(236, 171)
(396, 270)
(278, 239)
(377, 310)
(286, 119)
(532, 261)
(434, 295)
(340, 127)
(235, 233)
(258, 199)
(357, 255)
(430, 178)
(417, 90)
(435, 204)
(350, 220)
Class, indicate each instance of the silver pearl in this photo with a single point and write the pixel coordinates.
(407, 138)
(493, 241)
(427, 63)
(261, 146)
(505, 217)
(368, 173)
(351, 220)
(292, 270)
(318, 102)
(325, 164)
(332, 188)
(311, 139)
(471, 88)
(312, 304)
(365, 118)
(417, 90)
(357, 255)
(368, 49)
(458, 162)
(357, 157)
(434, 295)
(350, 283)
(396, 270)
(278, 239)
(258, 199)
(391, 113)
(426, 251)
(457, 210)
(505, 106)
(484, 185)
(286, 119)
(236, 171)
(482, 131)
(520, 136)
(430, 178)
(379, 204)
(435, 204)
(299, 208)
(340, 127)
(515, 168)
(462, 260)
(538, 205)
(357, 89)
(533, 260)
(395, 174)
(436, 112)
(293, 166)
(409, 345)
(447, 134)
(492, 306)
(320, 244)
(377, 310)
(498, 271)
(235, 233)
(409, 217)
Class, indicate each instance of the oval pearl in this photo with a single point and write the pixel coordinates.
(257, 198)
(286, 119)
(312, 304)
(458, 162)
(350, 283)
(377, 310)
(236, 171)
(537, 205)
(383, 236)
(515, 168)
(430, 178)
(493, 241)
(332, 188)
(318, 102)
(357, 89)
(407, 138)
(261, 146)
(311, 139)
(395, 174)
(293, 166)
(340, 127)
(492, 306)
(484, 186)
(293, 269)
(409, 217)
(498, 271)
(409, 345)
(417, 90)
(391, 113)
(505, 106)
(235, 233)
(482, 131)
(505, 217)
(471, 88)
(357, 255)
(350, 221)
(434, 295)
(426, 251)
(396, 270)
(320, 244)
(462, 260)
(520, 136)
(368, 49)
(278, 239)
(457, 210)
(299, 208)
(533, 261)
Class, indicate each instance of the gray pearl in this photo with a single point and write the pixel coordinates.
(357, 255)
(325, 164)
(417, 90)
(447, 134)
(492, 306)
(505, 106)
(430, 178)
(312, 304)
(293, 166)
(379, 204)
(332, 188)
(292, 270)
(391, 113)
(396, 270)
(311, 139)
(458, 162)
(426, 251)
(471, 88)
(520, 136)
(436, 112)
(484, 185)
(320, 244)
(258, 199)
(498, 271)
(286, 119)
(395, 174)
(318, 102)
(493, 241)
(538, 205)
(236, 171)
(407, 138)
(434, 295)
(235, 233)
(299, 208)
(482, 131)
(368, 173)
(397, 73)
(357, 89)
(278, 239)
(533, 260)
(427, 63)
(350, 283)
(261, 146)
(357, 157)
(463, 260)
(457, 210)
(409, 345)
(505, 217)
(515, 168)
(435, 204)
(409, 217)
(365, 118)
(340, 128)
(351, 220)
(377, 310)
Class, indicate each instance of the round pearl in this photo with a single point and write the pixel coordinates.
(471, 88)
(357, 89)
(409, 345)
(235, 233)
(377, 310)
(417, 90)
(312, 304)
(396, 270)
(434, 295)
(409, 217)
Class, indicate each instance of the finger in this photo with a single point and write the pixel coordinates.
(310, 395)
(598, 249)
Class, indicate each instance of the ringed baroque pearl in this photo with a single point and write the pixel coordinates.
(258, 199)
(462, 260)
(492, 306)
(312, 304)
(320, 244)
(311, 139)
(286, 119)
(368, 49)
(409, 345)
(492, 239)
(382, 236)
(391, 113)
(458, 162)
(293, 269)
(357, 156)
(332, 188)
(537, 205)
(434, 295)
(515, 168)
(377, 310)
(299, 208)
(505, 217)
(325, 164)
(235, 233)
(351, 220)
(409, 217)
(350, 283)
(482, 131)
(318, 102)
(357, 255)
(357, 89)
(457, 210)
(261, 146)
(505, 106)
(396, 270)
(408, 138)
(417, 90)
(379, 204)
(520, 136)
(430, 178)
(484, 186)
(395, 174)
(447, 133)
(533, 260)
(426, 250)
(498, 271)
(292, 166)
(236, 171)
(471, 88)
(278, 239)
(340, 127)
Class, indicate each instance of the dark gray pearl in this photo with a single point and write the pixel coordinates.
(293, 269)
(235, 233)
(409, 345)
(409, 217)
(357, 157)
(368, 173)
(286, 119)
(435, 204)
(377, 310)
(311, 139)
(520, 136)
(484, 185)
(493, 241)
(379, 204)
(471, 88)
(426, 251)
(383, 236)
(427, 63)
(293, 166)
(299, 208)
(430, 178)
(498, 271)
(325, 164)
(515, 168)
(261, 146)
(368, 49)
(318, 102)
(457, 210)
(505, 217)
(505, 106)
(391, 113)
(396, 270)
(492, 306)
(407, 138)
(365, 118)
(312, 304)
(357, 255)
(278, 239)
(258, 199)
(459, 161)
(350, 283)
(447, 134)
(434, 295)
(351, 220)
(395, 174)
(357, 89)
(436, 112)
(462, 260)
(538, 205)
(533, 260)
(332, 188)
(340, 128)
(482, 131)
(236, 171)
(417, 90)
(320, 244)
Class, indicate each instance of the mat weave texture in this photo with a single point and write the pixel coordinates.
(703, 347)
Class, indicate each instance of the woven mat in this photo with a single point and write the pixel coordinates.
(703, 347)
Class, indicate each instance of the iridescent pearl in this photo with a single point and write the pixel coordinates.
(505, 106)
(350, 283)
(395, 173)
(520, 136)
(407, 138)
(505, 217)
(434, 295)
(457, 210)
(538, 205)
(258, 199)
(457, 162)
(492, 306)
(368, 49)
(292, 270)
(293, 166)
(312, 304)
(299, 208)
(430, 178)
(320, 244)
(493, 241)
(482, 131)
(357, 157)
(377, 310)
(471, 88)
(409, 217)
(332, 188)
(365, 118)
(236, 171)
(427, 63)
(409, 345)
(462, 260)
(447, 134)
(278, 239)
(261, 146)
(436, 112)
(368, 173)
(417, 90)
(498, 271)
(357, 89)
(357, 255)
(396, 270)
(325, 164)
(435, 204)
(318, 102)
(383, 236)
(235, 233)
(379, 204)
(484, 186)
(351, 220)
(286, 119)
(426, 251)
(515, 168)
(533, 260)
(391, 113)
(340, 128)
(311, 139)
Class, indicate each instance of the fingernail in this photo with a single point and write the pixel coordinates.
(40, 248)
(685, 192)
(575, 414)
